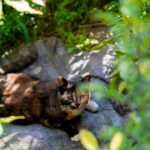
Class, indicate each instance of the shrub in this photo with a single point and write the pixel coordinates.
(131, 74)
(25, 20)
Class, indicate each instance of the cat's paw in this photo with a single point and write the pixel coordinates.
(76, 138)
(92, 106)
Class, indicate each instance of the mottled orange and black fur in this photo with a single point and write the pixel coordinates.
(52, 103)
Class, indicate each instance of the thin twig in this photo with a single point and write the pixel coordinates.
(92, 25)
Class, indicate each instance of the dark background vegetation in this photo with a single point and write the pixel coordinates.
(129, 24)
(60, 18)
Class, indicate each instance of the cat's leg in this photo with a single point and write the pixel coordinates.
(76, 137)
(72, 128)
(73, 132)
(23, 121)
(92, 106)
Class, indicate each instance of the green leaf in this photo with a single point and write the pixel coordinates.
(24, 30)
(127, 68)
(1, 10)
(1, 129)
(88, 140)
(116, 141)
(98, 89)
(144, 67)
(39, 2)
(10, 119)
(22, 6)
(131, 8)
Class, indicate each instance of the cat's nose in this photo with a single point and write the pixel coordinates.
(78, 104)
(73, 106)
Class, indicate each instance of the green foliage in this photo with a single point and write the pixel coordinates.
(25, 20)
(68, 16)
(131, 75)
(17, 26)
(8, 120)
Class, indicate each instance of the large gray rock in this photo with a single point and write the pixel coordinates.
(17, 58)
(35, 137)
(52, 61)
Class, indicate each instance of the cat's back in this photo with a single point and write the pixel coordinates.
(16, 83)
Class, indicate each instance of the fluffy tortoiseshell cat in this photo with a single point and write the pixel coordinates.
(52, 103)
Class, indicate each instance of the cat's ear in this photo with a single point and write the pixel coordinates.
(62, 81)
(86, 78)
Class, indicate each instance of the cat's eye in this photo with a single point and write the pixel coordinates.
(66, 102)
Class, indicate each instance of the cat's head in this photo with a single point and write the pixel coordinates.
(72, 97)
